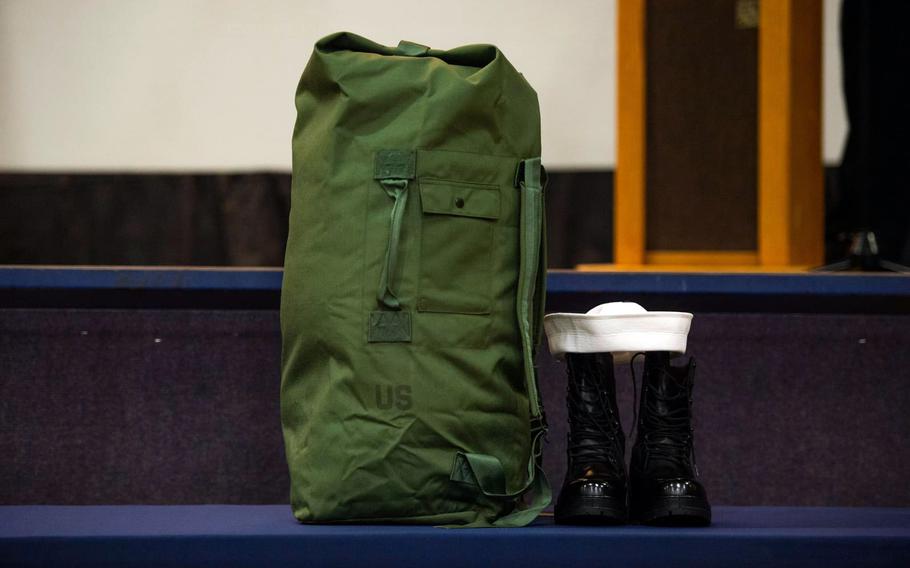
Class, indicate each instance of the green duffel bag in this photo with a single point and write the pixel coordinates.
(413, 288)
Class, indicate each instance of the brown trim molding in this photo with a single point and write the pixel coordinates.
(702, 257)
(629, 198)
(791, 190)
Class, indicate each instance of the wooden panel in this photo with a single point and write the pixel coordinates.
(688, 268)
(791, 206)
(701, 258)
(702, 133)
(629, 210)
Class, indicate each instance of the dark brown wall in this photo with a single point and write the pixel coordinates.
(226, 220)
(144, 219)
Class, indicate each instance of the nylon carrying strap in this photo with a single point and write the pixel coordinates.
(393, 169)
(486, 471)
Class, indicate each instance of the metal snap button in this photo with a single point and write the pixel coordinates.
(459, 202)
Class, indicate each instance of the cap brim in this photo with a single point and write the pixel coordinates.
(620, 334)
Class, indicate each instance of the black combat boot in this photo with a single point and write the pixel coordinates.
(662, 471)
(594, 491)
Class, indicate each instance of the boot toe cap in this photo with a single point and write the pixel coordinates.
(607, 488)
(673, 488)
(677, 488)
(592, 501)
(680, 501)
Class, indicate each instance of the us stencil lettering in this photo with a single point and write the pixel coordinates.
(393, 396)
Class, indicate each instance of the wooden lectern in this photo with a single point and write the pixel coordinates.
(719, 134)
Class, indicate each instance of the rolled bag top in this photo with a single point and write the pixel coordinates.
(475, 80)
(475, 55)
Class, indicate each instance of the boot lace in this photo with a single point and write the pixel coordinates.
(596, 434)
(668, 435)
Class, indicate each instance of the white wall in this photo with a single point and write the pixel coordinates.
(208, 84)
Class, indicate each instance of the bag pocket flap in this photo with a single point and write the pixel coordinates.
(462, 199)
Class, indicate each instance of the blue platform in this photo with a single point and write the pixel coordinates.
(559, 281)
(259, 288)
(222, 354)
(223, 535)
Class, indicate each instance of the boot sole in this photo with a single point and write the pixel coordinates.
(676, 512)
(591, 511)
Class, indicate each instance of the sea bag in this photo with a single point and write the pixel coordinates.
(413, 288)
